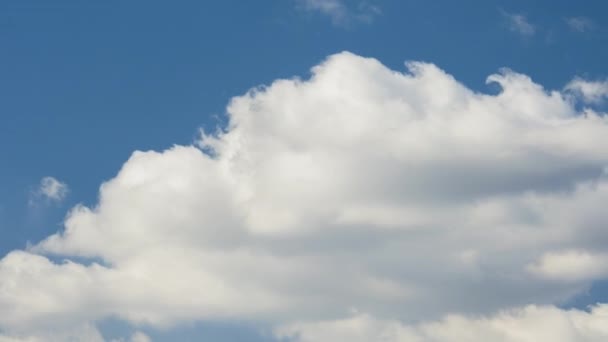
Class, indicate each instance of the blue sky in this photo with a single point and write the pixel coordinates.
(83, 84)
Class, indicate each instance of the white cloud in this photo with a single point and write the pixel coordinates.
(403, 195)
(138, 336)
(519, 23)
(571, 265)
(52, 189)
(531, 323)
(340, 13)
(580, 24)
(593, 92)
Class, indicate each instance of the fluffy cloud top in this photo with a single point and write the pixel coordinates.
(407, 196)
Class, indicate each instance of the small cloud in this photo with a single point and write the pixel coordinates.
(592, 92)
(140, 337)
(52, 189)
(518, 23)
(570, 266)
(341, 14)
(580, 24)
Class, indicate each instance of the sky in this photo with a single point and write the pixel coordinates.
(303, 170)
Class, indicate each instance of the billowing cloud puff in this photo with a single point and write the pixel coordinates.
(407, 196)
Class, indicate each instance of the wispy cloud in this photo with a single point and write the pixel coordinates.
(593, 92)
(580, 24)
(51, 189)
(340, 13)
(518, 23)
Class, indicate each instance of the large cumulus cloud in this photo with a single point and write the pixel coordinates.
(407, 196)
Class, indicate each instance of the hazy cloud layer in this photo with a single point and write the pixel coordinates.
(406, 196)
(580, 24)
(519, 23)
(342, 13)
(85, 333)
